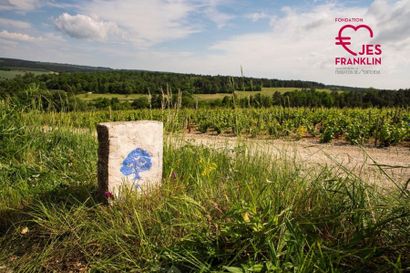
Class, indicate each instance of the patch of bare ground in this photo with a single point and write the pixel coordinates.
(382, 166)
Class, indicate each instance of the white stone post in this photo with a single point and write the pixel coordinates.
(129, 155)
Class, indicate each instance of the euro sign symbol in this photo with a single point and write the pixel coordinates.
(345, 41)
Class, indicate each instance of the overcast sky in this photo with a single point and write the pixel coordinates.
(269, 38)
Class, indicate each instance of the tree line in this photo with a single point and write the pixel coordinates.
(314, 98)
(147, 82)
(45, 92)
(297, 98)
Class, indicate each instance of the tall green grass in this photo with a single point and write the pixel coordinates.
(216, 211)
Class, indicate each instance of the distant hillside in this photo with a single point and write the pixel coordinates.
(79, 79)
(24, 65)
(71, 78)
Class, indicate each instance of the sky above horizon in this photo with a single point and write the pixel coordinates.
(268, 38)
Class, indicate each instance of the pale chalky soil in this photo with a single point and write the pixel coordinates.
(363, 162)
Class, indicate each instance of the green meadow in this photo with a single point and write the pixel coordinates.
(121, 97)
(216, 210)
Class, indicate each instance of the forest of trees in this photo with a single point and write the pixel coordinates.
(144, 82)
(313, 98)
(60, 89)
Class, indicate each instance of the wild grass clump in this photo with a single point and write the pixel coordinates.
(220, 211)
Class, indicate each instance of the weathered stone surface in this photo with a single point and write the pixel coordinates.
(130, 155)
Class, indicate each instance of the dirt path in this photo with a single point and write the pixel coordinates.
(364, 162)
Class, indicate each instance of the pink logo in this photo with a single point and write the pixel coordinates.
(367, 51)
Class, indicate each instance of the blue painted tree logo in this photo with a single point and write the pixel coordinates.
(137, 161)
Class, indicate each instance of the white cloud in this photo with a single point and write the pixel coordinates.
(82, 26)
(146, 22)
(63, 5)
(212, 12)
(19, 5)
(219, 18)
(143, 22)
(394, 24)
(14, 23)
(256, 16)
(16, 36)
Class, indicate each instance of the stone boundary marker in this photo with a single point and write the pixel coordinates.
(129, 155)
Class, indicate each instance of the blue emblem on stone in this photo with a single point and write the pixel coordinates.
(137, 161)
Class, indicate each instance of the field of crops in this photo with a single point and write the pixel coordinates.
(216, 210)
(381, 127)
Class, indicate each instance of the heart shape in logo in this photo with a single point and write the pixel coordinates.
(344, 41)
